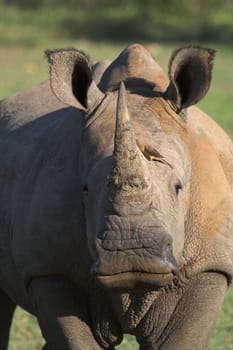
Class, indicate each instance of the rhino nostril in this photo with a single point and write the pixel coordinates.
(95, 267)
(170, 260)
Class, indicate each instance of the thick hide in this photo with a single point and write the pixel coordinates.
(116, 206)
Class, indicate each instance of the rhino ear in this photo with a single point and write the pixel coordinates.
(71, 79)
(190, 76)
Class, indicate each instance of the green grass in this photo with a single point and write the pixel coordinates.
(25, 66)
(223, 337)
(25, 333)
(169, 20)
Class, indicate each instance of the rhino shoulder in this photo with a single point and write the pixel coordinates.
(30, 103)
(199, 123)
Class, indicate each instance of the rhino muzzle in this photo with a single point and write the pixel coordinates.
(127, 259)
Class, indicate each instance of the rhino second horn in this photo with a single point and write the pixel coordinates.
(129, 173)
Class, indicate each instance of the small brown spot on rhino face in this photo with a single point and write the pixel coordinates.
(150, 152)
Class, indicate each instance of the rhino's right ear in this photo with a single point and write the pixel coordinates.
(190, 75)
(71, 79)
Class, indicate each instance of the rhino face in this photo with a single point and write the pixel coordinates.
(135, 165)
(134, 195)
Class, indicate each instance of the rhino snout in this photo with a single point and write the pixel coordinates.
(146, 255)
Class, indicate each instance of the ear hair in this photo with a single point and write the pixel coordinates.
(49, 53)
(70, 75)
(211, 55)
(190, 70)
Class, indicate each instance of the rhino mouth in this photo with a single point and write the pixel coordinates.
(131, 279)
(134, 265)
(134, 280)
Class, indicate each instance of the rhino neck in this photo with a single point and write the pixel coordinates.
(114, 314)
(131, 308)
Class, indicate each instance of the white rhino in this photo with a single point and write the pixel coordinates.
(116, 211)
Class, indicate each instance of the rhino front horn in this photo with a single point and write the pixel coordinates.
(129, 175)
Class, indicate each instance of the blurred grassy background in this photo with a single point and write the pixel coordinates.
(103, 28)
(147, 20)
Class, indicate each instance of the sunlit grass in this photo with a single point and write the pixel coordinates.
(25, 333)
(223, 337)
(23, 67)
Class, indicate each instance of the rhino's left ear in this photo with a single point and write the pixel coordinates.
(71, 79)
(190, 76)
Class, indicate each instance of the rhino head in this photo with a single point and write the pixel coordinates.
(135, 166)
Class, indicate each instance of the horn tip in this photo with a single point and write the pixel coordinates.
(122, 86)
(122, 103)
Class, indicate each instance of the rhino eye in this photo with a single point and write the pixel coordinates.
(178, 187)
(85, 189)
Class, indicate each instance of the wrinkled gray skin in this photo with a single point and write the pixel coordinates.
(116, 211)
